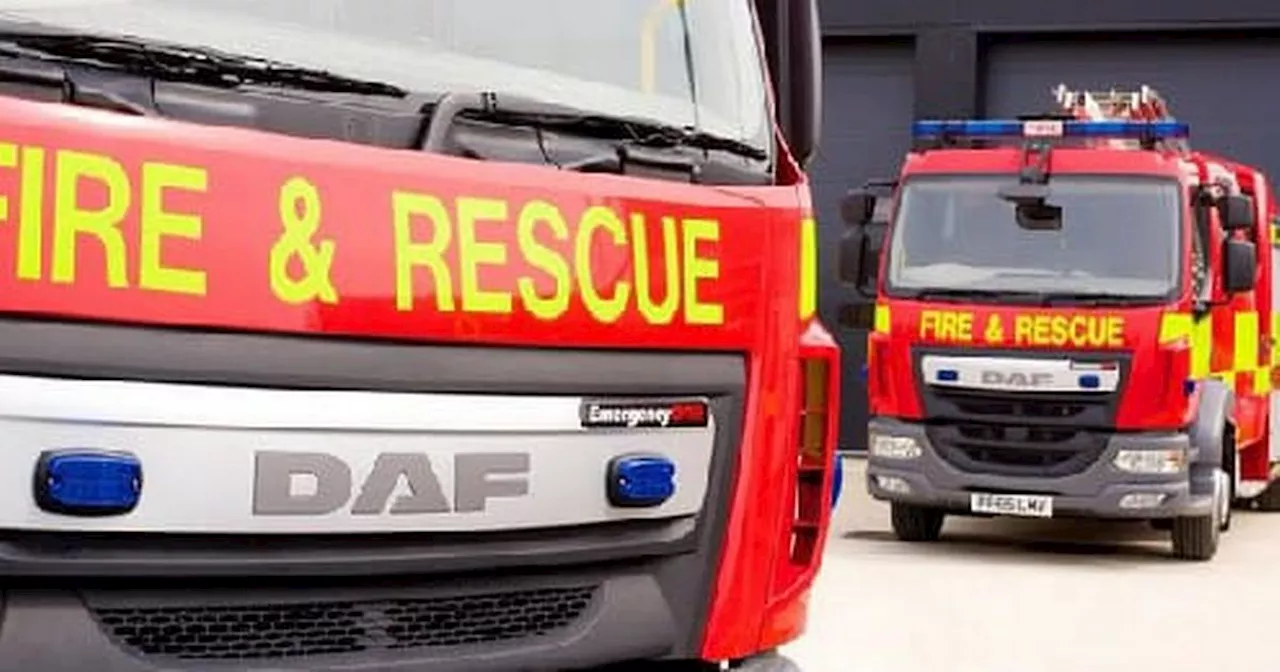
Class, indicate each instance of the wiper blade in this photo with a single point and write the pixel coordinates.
(514, 110)
(995, 295)
(1097, 299)
(175, 62)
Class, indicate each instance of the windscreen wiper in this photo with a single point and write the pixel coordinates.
(1097, 299)
(173, 62)
(992, 295)
(630, 136)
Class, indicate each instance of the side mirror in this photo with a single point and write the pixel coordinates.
(1239, 266)
(860, 258)
(804, 78)
(1237, 212)
(857, 207)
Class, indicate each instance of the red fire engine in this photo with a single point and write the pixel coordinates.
(1074, 319)
(383, 335)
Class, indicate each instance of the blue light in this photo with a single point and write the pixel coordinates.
(837, 481)
(1090, 381)
(948, 375)
(1004, 128)
(88, 482)
(641, 481)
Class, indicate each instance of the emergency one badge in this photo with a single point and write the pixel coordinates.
(644, 414)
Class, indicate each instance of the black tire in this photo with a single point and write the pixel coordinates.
(1196, 538)
(1268, 500)
(1229, 465)
(916, 523)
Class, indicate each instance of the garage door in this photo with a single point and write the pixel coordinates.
(1225, 88)
(867, 102)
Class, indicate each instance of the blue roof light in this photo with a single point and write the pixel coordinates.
(1009, 128)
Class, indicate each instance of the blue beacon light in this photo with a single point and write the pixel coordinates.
(641, 481)
(1010, 128)
(82, 482)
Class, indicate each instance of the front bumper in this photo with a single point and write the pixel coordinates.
(1095, 492)
(558, 598)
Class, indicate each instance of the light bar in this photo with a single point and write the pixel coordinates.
(1049, 128)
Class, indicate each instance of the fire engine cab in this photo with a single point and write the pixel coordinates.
(1074, 317)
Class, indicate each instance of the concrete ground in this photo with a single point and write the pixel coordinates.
(1042, 596)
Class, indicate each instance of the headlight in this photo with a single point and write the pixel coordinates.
(1168, 461)
(895, 447)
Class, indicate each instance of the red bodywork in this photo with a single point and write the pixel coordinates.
(1156, 398)
(135, 220)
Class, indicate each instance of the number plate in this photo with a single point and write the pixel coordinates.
(1027, 506)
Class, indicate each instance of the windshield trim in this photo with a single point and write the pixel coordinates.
(1176, 292)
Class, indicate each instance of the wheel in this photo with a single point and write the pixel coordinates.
(1231, 462)
(1226, 483)
(1269, 500)
(916, 523)
(1196, 537)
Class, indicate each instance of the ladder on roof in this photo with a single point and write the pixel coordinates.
(1143, 104)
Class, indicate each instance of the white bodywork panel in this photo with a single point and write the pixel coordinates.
(198, 446)
(1016, 374)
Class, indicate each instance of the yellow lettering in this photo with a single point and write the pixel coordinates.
(929, 320)
(71, 220)
(947, 325)
(31, 221)
(1022, 328)
(964, 327)
(473, 253)
(700, 268)
(543, 258)
(994, 331)
(656, 313)
(1043, 330)
(156, 223)
(409, 254)
(610, 309)
(1115, 332)
(1077, 331)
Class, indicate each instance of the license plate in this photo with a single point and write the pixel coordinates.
(1027, 506)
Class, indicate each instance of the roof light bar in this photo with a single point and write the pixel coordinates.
(1049, 128)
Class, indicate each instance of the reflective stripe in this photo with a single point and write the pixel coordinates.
(1275, 329)
(1246, 337)
(1199, 337)
(1245, 356)
(808, 268)
(882, 319)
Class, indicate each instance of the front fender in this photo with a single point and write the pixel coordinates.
(1213, 413)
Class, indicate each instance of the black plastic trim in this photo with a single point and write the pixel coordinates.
(87, 350)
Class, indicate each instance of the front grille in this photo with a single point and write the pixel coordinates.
(294, 630)
(1022, 434)
(1017, 433)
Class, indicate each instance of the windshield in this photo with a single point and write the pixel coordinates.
(1119, 236)
(691, 63)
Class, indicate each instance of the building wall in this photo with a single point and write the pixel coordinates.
(890, 61)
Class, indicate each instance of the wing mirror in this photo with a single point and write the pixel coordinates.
(1237, 213)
